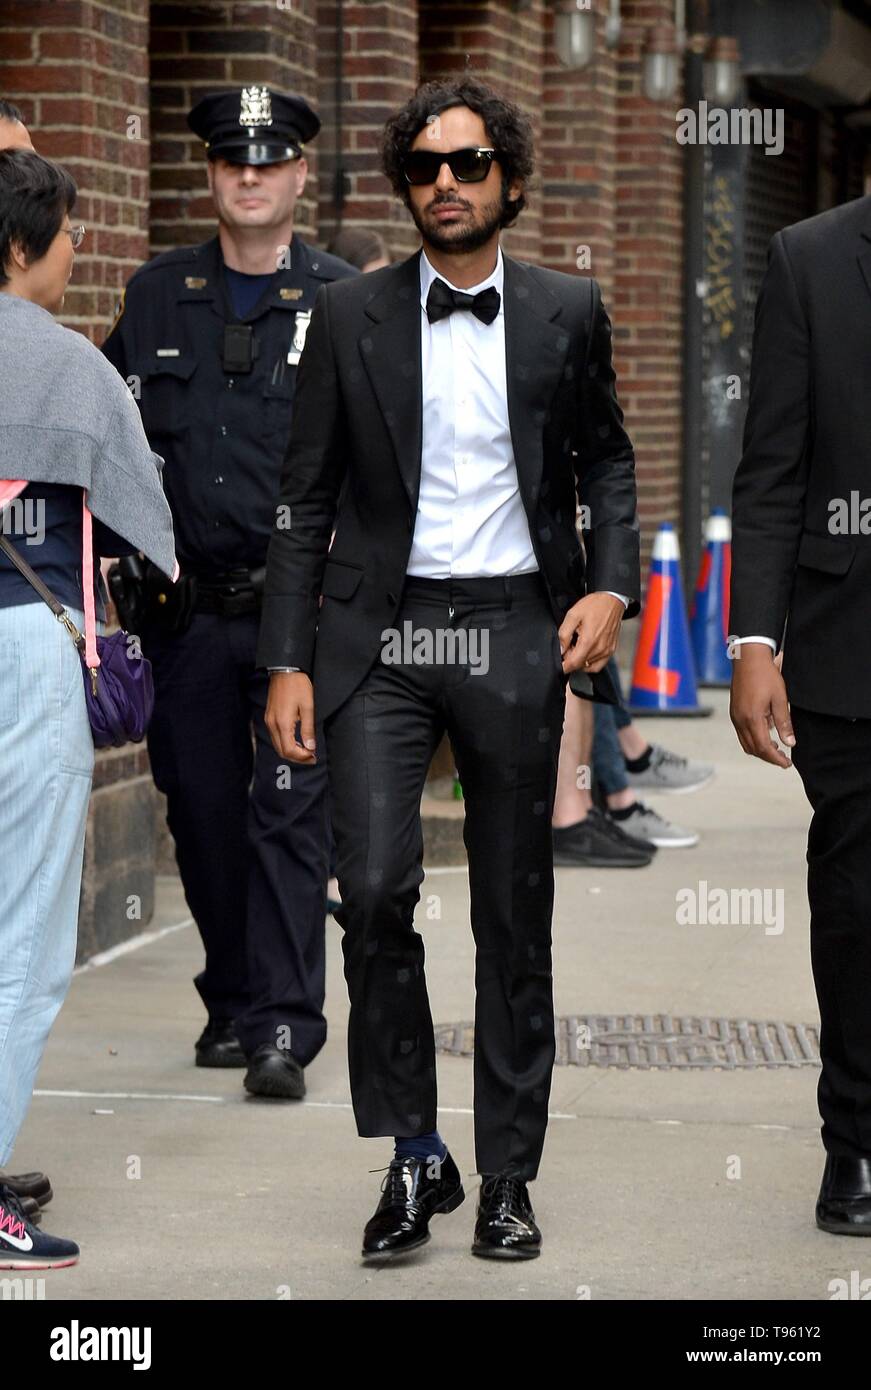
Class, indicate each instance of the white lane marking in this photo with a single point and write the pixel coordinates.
(135, 943)
(131, 1095)
(230, 1100)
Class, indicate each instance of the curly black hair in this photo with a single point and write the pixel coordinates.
(509, 130)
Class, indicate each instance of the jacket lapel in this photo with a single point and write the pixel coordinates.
(390, 349)
(864, 257)
(535, 353)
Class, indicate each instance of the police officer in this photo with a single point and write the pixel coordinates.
(208, 339)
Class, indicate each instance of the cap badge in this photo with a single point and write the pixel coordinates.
(256, 106)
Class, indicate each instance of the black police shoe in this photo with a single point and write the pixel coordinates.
(218, 1046)
(844, 1203)
(22, 1246)
(413, 1190)
(505, 1226)
(274, 1071)
(28, 1187)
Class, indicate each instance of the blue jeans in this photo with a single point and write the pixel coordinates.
(46, 764)
(608, 762)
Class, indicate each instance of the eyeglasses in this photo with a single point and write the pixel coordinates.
(467, 166)
(76, 234)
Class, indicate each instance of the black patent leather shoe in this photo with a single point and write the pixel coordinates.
(274, 1071)
(505, 1227)
(218, 1046)
(844, 1203)
(413, 1190)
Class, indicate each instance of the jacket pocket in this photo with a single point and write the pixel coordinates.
(163, 394)
(340, 580)
(831, 554)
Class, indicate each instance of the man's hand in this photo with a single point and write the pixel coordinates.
(759, 703)
(291, 701)
(588, 633)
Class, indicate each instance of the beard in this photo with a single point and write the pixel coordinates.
(458, 237)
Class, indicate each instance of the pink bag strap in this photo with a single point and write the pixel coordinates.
(92, 659)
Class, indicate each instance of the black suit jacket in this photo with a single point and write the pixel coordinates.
(807, 443)
(354, 457)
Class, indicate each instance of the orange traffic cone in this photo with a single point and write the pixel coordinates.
(664, 678)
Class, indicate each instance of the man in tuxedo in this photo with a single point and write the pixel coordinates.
(800, 551)
(451, 410)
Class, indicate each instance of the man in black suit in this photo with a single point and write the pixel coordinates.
(800, 551)
(450, 411)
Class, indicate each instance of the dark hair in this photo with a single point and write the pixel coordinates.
(34, 195)
(509, 131)
(9, 112)
(358, 246)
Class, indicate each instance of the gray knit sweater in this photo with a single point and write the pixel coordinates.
(66, 416)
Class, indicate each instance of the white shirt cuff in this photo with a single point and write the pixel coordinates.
(739, 641)
(622, 597)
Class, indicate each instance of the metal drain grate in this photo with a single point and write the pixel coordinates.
(663, 1041)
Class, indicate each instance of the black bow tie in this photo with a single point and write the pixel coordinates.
(442, 301)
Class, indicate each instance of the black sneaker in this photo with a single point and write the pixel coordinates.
(22, 1246)
(598, 843)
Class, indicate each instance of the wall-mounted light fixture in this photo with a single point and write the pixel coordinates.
(664, 49)
(721, 71)
(574, 31)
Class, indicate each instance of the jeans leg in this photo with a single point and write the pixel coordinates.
(47, 757)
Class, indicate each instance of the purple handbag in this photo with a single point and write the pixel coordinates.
(119, 688)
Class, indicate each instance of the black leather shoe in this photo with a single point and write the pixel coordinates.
(505, 1227)
(413, 1190)
(274, 1071)
(32, 1188)
(218, 1046)
(844, 1203)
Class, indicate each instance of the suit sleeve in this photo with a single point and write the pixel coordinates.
(771, 479)
(311, 479)
(605, 470)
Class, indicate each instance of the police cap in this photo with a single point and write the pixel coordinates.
(253, 125)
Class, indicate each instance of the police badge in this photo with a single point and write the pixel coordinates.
(302, 319)
(255, 107)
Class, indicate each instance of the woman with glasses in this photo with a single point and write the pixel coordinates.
(69, 430)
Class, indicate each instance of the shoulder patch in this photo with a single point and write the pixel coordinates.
(119, 310)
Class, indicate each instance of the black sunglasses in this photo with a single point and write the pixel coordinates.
(467, 166)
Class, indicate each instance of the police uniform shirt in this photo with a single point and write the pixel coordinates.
(222, 434)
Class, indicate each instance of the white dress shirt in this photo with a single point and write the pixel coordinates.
(470, 518)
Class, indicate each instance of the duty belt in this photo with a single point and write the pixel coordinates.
(231, 594)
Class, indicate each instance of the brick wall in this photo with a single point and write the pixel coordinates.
(379, 71)
(648, 299)
(78, 69)
(579, 162)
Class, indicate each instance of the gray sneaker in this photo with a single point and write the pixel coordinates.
(669, 772)
(646, 824)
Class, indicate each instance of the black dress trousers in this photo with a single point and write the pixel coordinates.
(251, 834)
(833, 757)
(502, 708)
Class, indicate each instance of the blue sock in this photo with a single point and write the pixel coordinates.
(421, 1146)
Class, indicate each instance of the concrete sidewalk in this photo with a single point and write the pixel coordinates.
(248, 1199)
